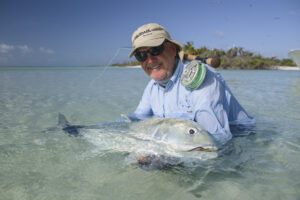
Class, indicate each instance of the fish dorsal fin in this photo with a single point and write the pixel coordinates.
(62, 120)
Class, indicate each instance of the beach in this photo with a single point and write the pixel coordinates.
(286, 68)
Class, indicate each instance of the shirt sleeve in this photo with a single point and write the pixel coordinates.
(144, 110)
(211, 108)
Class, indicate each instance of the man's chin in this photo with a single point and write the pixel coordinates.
(159, 79)
(156, 75)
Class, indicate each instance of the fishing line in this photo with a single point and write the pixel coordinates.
(108, 65)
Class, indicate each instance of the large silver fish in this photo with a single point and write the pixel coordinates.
(157, 136)
(180, 134)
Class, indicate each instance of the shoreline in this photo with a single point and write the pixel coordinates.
(289, 68)
(136, 66)
(285, 68)
(271, 68)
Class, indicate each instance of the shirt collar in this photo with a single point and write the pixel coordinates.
(177, 72)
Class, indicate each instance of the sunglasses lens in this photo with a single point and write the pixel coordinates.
(141, 56)
(155, 51)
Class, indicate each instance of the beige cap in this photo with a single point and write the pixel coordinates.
(151, 35)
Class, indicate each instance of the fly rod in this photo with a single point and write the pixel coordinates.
(214, 62)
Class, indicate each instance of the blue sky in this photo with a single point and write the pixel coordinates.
(89, 32)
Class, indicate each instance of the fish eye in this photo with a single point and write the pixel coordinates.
(192, 131)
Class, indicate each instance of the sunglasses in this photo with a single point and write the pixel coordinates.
(141, 56)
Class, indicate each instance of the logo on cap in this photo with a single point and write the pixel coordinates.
(141, 33)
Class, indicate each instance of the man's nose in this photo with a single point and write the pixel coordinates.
(150, 58)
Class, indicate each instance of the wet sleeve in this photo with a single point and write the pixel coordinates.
(144, 110)
(215, 122)
(211, 110)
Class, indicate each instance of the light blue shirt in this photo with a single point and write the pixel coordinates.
(212, 105)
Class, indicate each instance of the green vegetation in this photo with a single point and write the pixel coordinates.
(234, 58)
(237, 58)
(133, 63)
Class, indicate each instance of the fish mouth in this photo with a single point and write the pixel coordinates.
(202, 149)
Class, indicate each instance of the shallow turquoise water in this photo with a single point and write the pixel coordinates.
(35, 164)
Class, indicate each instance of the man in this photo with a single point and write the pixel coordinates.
(211, 103)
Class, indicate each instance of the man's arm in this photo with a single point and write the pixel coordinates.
(215, 121)
(144, 110)
(211, 107)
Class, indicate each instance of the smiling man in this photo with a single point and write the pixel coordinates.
(193, 91)
(158, 67)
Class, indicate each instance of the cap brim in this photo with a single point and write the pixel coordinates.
(147, 43)
(157, 42)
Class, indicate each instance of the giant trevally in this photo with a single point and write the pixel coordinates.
(168, 137)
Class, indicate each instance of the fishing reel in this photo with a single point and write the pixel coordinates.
(193, 75)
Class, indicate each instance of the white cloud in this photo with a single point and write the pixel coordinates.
(4, 48)
(47, 51)
(24, 49)
(294, 12)
(219, 34)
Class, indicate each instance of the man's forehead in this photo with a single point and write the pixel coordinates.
(143, 48)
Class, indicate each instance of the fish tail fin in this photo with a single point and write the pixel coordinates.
(62, 121)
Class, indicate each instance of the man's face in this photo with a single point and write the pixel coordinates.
(160, 67)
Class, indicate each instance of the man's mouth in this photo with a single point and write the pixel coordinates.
(154, 66)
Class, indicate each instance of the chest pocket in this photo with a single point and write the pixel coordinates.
(185, 109)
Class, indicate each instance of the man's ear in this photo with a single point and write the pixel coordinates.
(173, 47)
